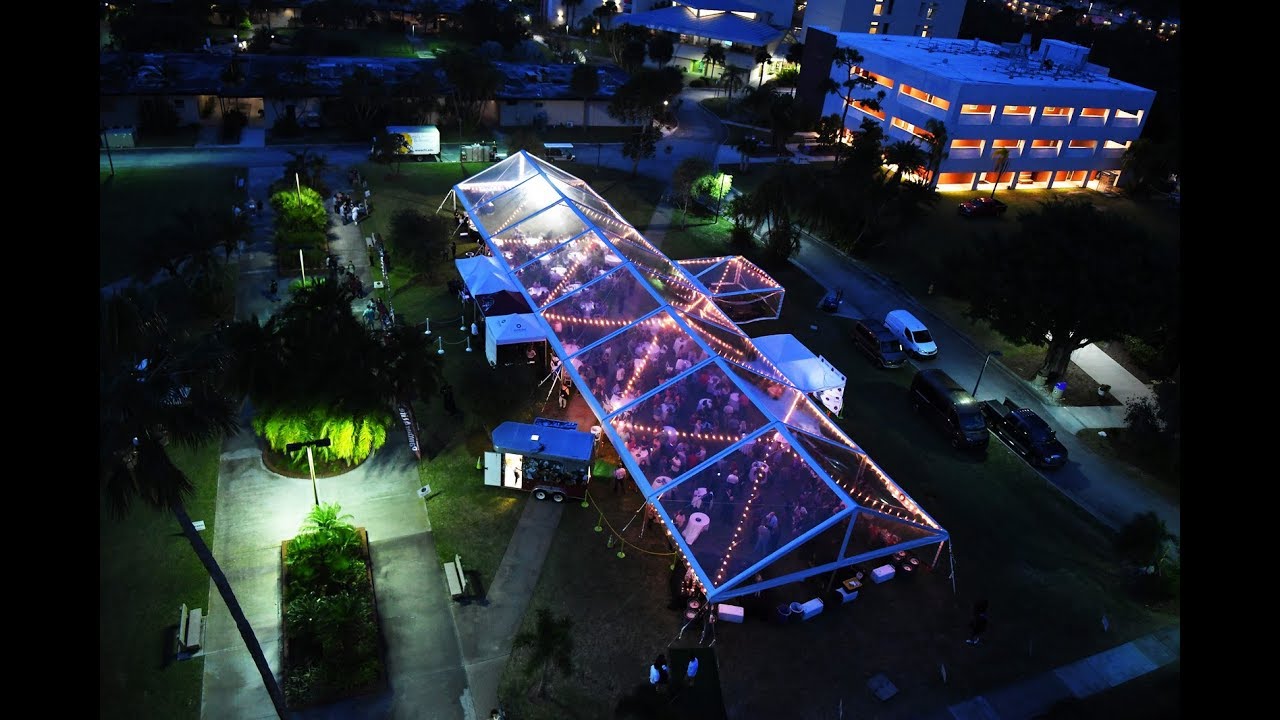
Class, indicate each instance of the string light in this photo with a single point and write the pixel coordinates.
(594, 322)
(737, 532)
(684, 433)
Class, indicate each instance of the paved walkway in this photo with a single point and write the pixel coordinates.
(1032, 696)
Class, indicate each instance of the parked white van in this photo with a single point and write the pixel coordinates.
(915, 337)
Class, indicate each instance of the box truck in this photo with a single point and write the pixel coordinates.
(421, 142)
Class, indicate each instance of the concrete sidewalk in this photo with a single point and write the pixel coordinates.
(1030, 697)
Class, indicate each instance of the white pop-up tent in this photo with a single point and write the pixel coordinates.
(809, 372)
(483, 275)
(510, 330)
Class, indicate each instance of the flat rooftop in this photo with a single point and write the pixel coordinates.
(978, 61)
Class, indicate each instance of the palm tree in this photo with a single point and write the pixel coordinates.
(762, 58)
(1001, 157)
(849, 58)
(156, 388)
(550, 643)
(905, 156)
(795, 53)
(309, 166)
(745, 147)
(937, 148)
(732, 79)
(714, 55)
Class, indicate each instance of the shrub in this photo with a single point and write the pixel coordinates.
(232, 123)
(1142, 540)
(300, 211)
(740, 238)
(287, 126)
(352, 439)
(311, 281)
(698, 82)
(294, 239)
(332, 629)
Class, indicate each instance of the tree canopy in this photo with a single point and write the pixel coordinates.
(1070, 275)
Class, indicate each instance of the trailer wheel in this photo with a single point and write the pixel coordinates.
(540, 494)
(557, 497)
(418, 158)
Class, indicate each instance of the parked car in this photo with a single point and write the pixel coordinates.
(982, 207)
(915, 337)
(940, 398)
(877, 343)
(1026, 433)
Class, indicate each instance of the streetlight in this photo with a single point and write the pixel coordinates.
(996, 353)
(311, 462)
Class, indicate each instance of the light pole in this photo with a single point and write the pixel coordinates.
(311, 462)
(995, 353)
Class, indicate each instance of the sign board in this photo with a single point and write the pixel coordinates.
(560, 424)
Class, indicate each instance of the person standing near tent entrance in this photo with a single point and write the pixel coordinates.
(619, 480)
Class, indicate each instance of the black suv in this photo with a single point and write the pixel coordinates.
(936, 395)
(877, 343)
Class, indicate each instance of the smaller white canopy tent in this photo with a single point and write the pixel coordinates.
(483, 274)
(809, 372)
(510, 330)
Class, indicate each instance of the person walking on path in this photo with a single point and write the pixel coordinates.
(619, 480)
(691, 672)
(978, 624)
(275, 289)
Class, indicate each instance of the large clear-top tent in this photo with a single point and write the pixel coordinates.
(660, 364)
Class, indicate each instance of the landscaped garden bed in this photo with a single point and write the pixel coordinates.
(333, 641)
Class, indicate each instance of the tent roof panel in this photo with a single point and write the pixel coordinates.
(599, 309)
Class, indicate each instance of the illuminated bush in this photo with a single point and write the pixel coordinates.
(299, 212)
(352, 439)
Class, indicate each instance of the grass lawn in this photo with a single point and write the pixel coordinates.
(1152, 466)
(139, 201)
(1045, 565)
(146, 570)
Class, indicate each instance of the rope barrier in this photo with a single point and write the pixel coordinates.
(623, 540)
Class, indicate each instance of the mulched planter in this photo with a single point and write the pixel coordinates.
(377, 685)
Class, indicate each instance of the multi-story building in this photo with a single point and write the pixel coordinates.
(1061, 118)
(919, 18)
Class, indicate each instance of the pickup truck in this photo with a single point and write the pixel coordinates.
(1025, 433)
